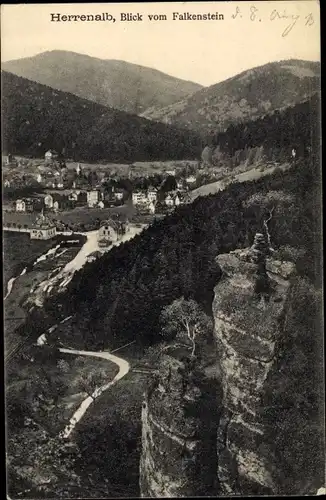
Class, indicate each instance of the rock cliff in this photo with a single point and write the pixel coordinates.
(249, 334)
(264, 407)
(179, 429)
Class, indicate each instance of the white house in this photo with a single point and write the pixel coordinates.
(139, 197)
(108, 233)
(48, 155)
(100, 204)
(20, 206)
(6, 183)
(92, 198)
(151, 207)
(152, 194)
(48, 201)
(43, 229)
(170, 172)
(191, 179)
(177, 200)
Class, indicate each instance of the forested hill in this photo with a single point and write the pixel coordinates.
(117, 84)
(37, 118)
(249, 95)
(273, 136)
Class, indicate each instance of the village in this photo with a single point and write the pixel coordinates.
(74, 195)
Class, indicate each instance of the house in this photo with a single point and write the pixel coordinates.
(181, 184)
(6, 183)
(169, 202)
(92, 198)
(186, 199)
(20, 206)
(170, 172)
(118, 193)
(48, 201)
(108, 233)
(42, 229)
(173, 199)
(111, 231)
(94, 256)
(73, 196)
(29, 204)
(59, 183)
(146, 208)
(109, 199)
(50, 155)
(139, 197)
(100, 204)
(191, 179)
(152, 194)
(177, 200)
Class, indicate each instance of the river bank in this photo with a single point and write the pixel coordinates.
(37, 267)
(19, 250)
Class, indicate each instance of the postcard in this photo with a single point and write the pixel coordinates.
(162, 274)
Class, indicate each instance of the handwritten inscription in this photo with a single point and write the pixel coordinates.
(290, 20)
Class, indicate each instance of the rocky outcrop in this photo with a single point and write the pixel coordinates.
(249, 335)
(179, 429)
(264, 410)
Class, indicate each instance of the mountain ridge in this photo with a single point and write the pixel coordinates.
(250, 94)
(111, 82)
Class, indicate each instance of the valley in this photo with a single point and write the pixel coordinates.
(162, 285)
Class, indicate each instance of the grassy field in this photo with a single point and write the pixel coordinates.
(85, 215)
(249, 175)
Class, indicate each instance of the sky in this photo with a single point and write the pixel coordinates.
(205, 52)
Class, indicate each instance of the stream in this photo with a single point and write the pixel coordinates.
(42, 257)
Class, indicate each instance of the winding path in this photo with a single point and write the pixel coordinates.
(67, 272)
(124, 368)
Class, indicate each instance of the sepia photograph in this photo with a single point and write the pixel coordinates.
(162, 250)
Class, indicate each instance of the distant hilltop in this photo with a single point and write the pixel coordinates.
(117, 84)
(249, 95)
